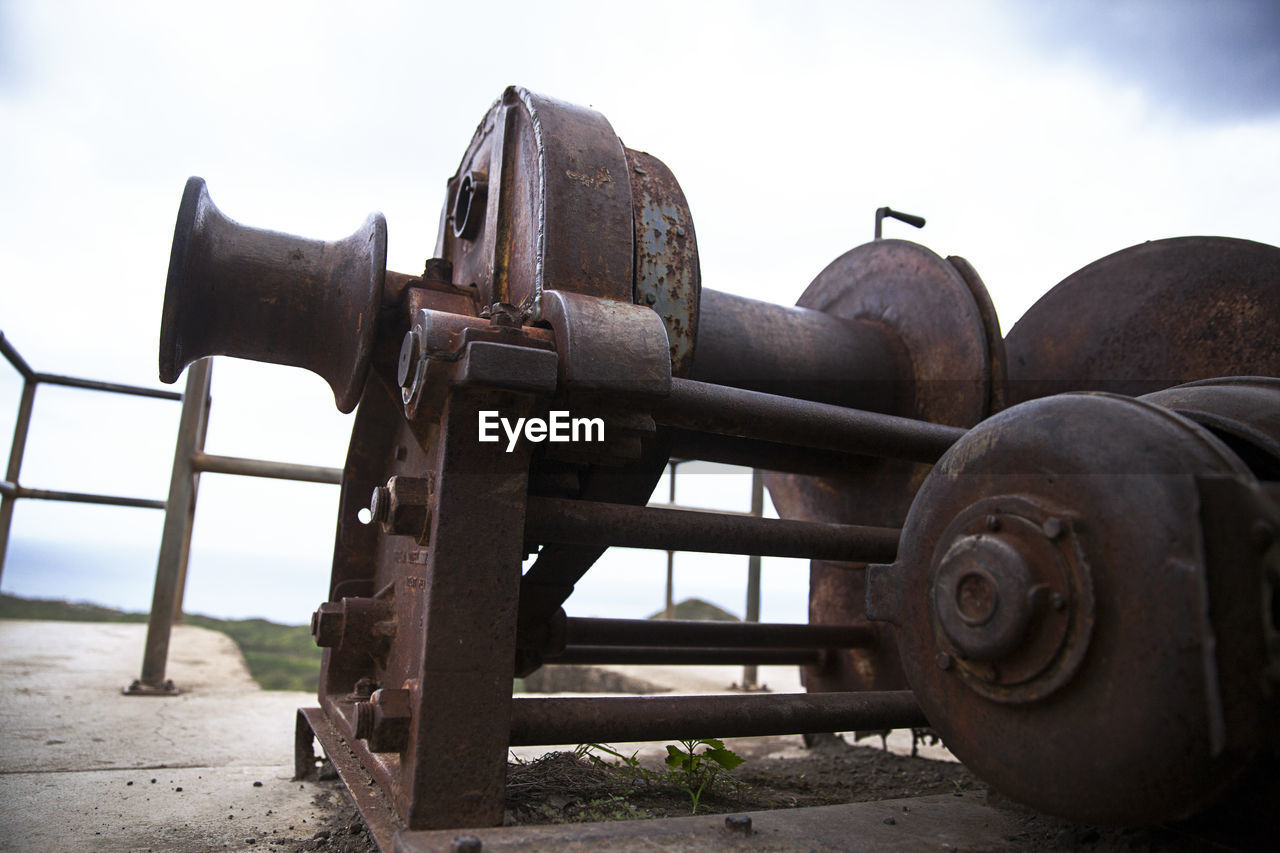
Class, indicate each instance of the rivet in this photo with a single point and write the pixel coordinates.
(1052, 527)
(738, 823)
(1057, 602)
(993, 523)
(943, 660)
(467, 844)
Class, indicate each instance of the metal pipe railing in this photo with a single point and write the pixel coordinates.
(11, 489)
(189, 461)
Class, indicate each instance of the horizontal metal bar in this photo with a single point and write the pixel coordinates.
(669, 656)
(19, 363)
(750, 414)
(214, 464)
(689, 633)
(592, 523)
(764, 455)
(112, 387)
(683, 508)
(78, 497)
(538, 722)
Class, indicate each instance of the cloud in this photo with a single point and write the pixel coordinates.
(1210, 61)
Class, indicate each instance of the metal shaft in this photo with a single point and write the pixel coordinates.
(768, 417)
(592, 523)
(797, 352)
(553, 721)
(692, 634)
(671, 656)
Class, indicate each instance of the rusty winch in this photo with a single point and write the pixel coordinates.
(1057, 549)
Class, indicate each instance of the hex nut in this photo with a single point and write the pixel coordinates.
(326, 625)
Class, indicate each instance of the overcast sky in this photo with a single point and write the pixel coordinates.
(1036, 137)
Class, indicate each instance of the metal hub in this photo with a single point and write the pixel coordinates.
(1012, 599)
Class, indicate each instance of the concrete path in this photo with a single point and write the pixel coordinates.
(85, 768)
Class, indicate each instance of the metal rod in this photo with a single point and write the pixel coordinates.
(182, 488)
(750, 414)
(669, 607)
(669, 656)
(766, 455)
(17, 448)
(19, 363)
(592, 523)
(749, 672)
(85, 498)
(536, 722)
(213, 464)
(112, 387)
(189, 521)
(706, 634)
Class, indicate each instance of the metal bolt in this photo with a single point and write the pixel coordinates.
(1052, 527)
(408, 510)
(438, 269)
(505, 315)
(364, 720)
(467, 844)
(379, 505)
(993, 523)
(738, 823)
(326, 625)
(411, 370)
(944, 661)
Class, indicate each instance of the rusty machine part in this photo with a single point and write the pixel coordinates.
(1081, 578)
(1097, 602)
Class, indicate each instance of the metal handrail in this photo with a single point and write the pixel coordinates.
(189, 462)
(11, 490)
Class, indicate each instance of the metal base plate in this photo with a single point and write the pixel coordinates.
(943, 822)
(378, 813)
(137, 688)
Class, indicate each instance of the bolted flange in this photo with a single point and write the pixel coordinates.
(1012, 599)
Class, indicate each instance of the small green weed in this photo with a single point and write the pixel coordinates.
(691, 767)
(697, 769)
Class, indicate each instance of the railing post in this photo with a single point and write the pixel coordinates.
(175, 539)
(185, 552)
(669, 612)
(18, 447)
(749, 672)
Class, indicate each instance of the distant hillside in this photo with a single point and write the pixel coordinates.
(280, 657)
(696, 608)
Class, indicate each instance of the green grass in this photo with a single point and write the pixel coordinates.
(280, 657)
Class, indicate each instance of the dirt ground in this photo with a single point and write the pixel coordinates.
(564, 788)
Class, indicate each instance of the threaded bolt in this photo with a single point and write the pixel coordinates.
(379, 505)
(364, 720)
